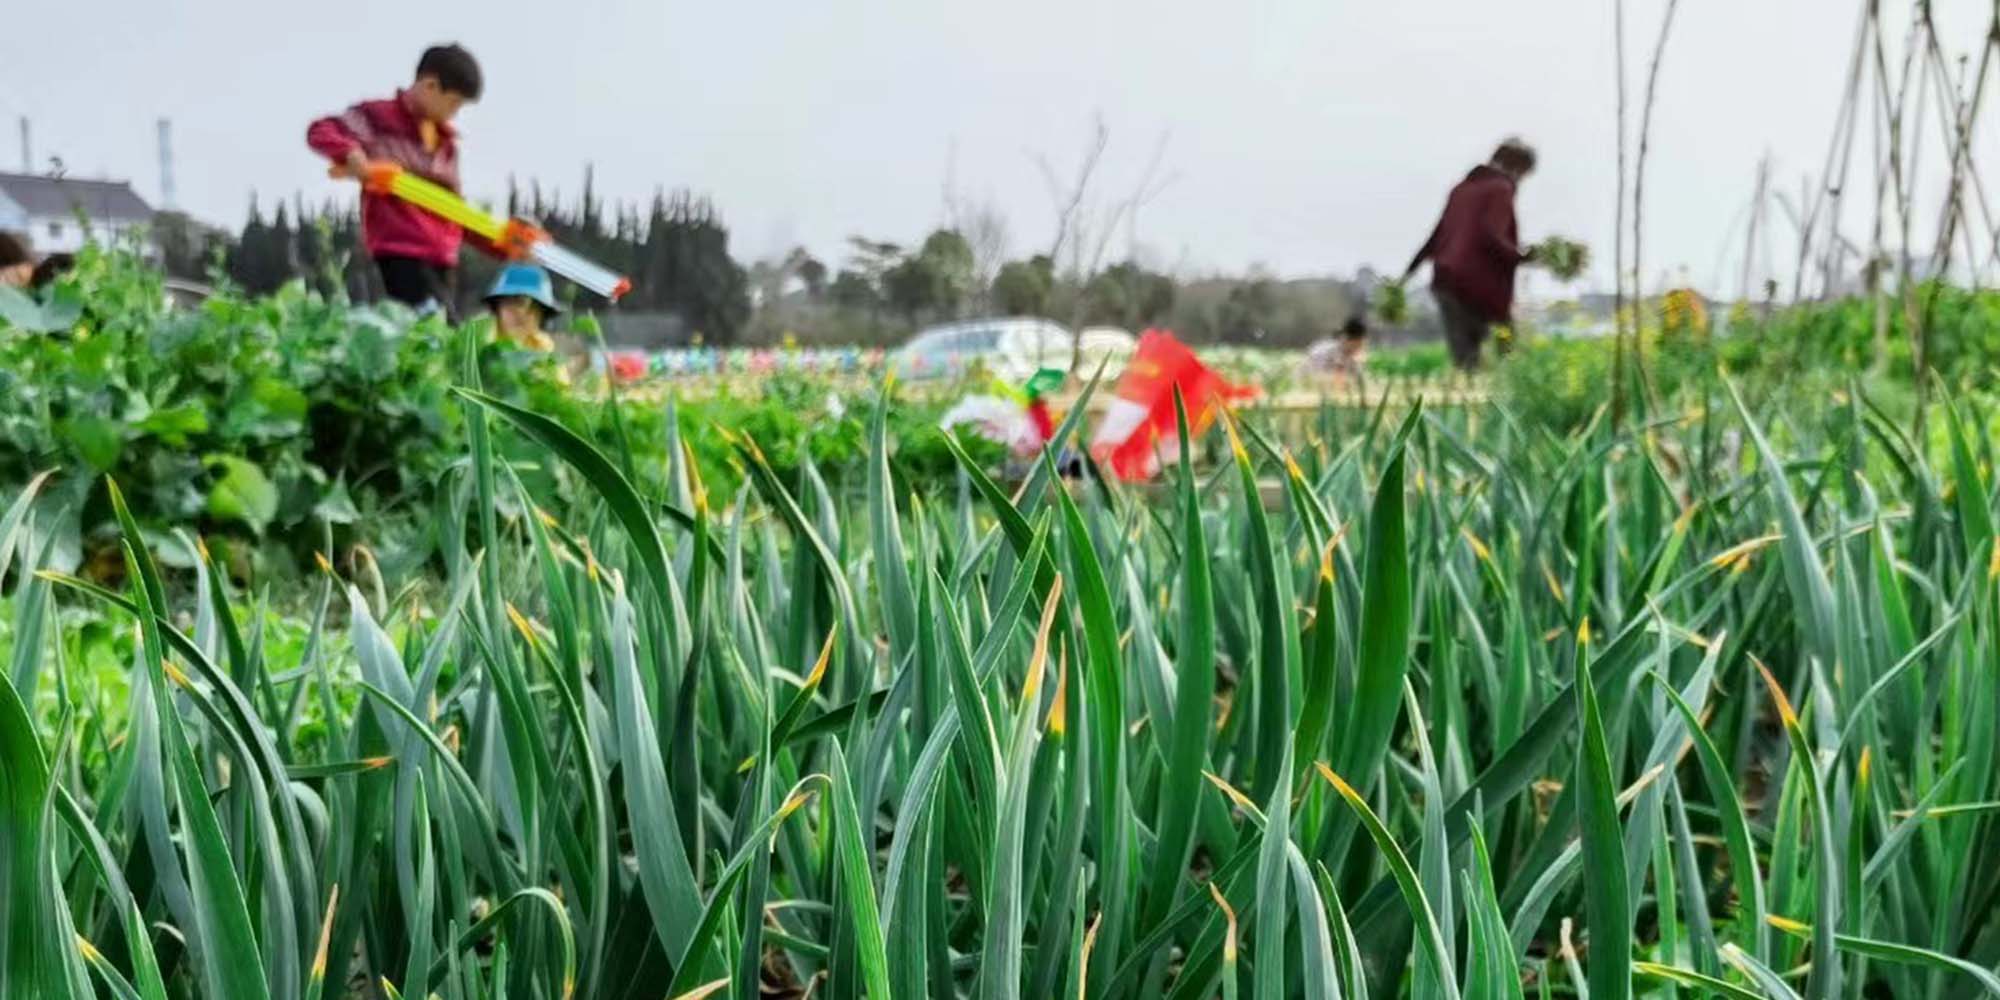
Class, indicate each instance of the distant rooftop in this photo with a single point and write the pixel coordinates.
(43, 196)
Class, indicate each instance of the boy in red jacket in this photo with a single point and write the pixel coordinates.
(417, 252)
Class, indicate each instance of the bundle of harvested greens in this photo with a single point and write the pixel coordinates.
(1564, 258)
(1392, 306)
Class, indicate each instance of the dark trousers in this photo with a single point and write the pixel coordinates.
(420, 284)
(1465, 328)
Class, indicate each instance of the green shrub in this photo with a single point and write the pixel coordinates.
(1811, 351)
(263, 422)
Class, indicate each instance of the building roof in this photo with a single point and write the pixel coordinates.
(43, 196)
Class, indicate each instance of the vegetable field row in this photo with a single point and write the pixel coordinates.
(1707, 707)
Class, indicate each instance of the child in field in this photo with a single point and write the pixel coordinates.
(522, 299)
(416, 252)
(1353, 355)
(1342, 358)
(1018, 418)
(17, 265)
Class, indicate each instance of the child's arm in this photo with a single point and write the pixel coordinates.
(339, 138)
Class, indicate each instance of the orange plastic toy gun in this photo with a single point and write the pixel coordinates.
(519, 240)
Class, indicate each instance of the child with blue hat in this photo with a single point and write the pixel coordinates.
(522, 299)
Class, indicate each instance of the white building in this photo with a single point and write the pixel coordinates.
(61, 214)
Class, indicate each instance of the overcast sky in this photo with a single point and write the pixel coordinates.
(1308, 137)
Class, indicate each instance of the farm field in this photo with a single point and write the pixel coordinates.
(500, 688)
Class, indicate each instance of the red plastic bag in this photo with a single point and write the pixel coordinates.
(1137, 435)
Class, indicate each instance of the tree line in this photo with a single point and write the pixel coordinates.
(676, 251)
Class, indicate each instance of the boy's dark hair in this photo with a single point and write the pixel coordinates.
(1354, 328)
(13, 250)
(52, 267)
(454, 68)
(1515, 154)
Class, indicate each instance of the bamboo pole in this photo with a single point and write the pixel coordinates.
(1960, 141)
(1885, 155)
(1843, 124)
(1758, 201)
(1618, 241)
(1639, 206)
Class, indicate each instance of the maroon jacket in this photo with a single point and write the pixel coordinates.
(1475, 247)
(389, 130)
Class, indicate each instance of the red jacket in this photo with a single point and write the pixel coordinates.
(390, 130)
(1475, 247)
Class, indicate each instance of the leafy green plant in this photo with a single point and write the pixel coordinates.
(1417, 729)
(1392, 304)
(261, 422)
(1563, 257)
(1471, 705)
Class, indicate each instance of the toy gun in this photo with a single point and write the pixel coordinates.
(1043, 382)
(518, 239)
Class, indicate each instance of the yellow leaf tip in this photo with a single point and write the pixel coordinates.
(1056, 722)
(1785, 712)
(1229, 790)
(1229, 915)
(794, 802)
(825, 657)
(1479, 549)
(1339, 783)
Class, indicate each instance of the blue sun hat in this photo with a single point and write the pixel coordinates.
(525, 281)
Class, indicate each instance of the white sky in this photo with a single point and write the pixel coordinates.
(1305, 137)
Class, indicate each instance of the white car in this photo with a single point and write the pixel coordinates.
(1012, 349)
(1105, 345)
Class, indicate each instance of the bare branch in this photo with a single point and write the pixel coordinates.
(1127, 209)
(1149, 187)
(1068, 199)
(1958, 134)
(1618, 260)
(1639, 192)
(1843, 127)
(985, 229)
(1759, 201)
